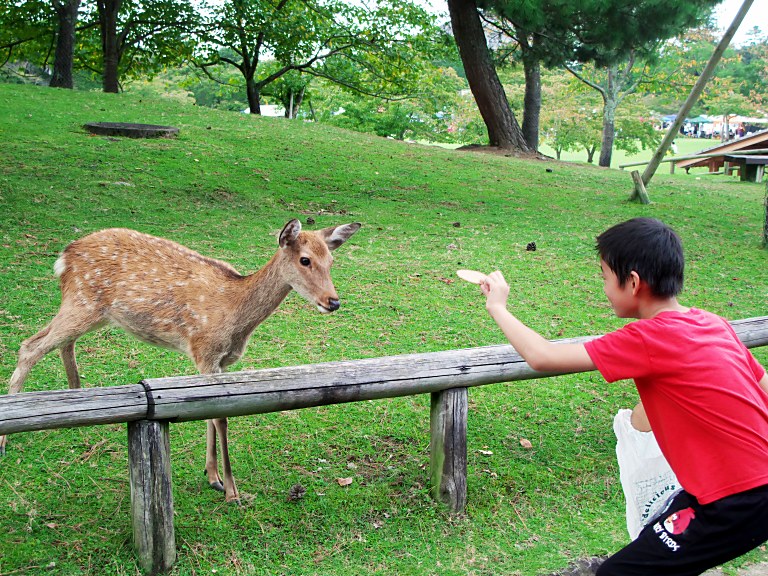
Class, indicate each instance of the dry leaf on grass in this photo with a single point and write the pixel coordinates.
(344, 481)
(526, 443)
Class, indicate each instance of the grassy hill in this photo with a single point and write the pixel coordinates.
(224, 187)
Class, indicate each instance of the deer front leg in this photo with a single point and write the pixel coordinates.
(211, 458)
(230, 489)
(212, 364)
(214, 428)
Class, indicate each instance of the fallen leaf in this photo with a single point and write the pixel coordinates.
(485, 452)
(526, 443)
(344, 481)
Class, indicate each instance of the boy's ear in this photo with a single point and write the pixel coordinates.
(634, 282)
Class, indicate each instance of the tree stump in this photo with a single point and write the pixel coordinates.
(129, 130)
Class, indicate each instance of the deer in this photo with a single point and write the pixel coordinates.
(170, 296)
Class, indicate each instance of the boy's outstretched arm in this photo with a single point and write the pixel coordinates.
(540, 354)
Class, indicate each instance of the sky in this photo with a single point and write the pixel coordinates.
(757, 16)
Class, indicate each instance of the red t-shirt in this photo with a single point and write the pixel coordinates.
(699, 386)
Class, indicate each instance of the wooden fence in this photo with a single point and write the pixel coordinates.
(150, 406)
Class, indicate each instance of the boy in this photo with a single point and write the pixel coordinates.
(705, 395)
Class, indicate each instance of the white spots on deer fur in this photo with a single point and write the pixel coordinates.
(201, 298)
(59, 266)
(87, 276)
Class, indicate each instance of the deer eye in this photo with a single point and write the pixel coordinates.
(304, 261)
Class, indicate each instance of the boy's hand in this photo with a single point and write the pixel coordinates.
(496, 291)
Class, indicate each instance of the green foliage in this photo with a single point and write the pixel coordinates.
(152, 36)
(26, 31)
(594, 30)
(224, 188)
(377, 51)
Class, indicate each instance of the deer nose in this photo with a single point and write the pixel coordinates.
(333, 304)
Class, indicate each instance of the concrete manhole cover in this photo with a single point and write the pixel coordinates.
(131, 130)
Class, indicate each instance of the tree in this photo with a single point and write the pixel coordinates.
(375, 51)
(587, 31)
(614, 83)
(63, 60)
(137, 37)
(503, 128)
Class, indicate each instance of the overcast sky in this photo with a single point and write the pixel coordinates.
(757, 16)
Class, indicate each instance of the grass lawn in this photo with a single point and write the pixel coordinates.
(224, 188)
(685, 146)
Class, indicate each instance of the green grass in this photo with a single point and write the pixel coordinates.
(685, 146)
(224, 188)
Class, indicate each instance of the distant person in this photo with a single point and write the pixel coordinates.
(705, 395)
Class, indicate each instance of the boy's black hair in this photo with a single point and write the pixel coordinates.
(650, 248)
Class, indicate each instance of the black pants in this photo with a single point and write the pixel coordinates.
(688, 538)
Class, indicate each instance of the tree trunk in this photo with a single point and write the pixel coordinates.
(254, 94)
(610, 103)
(66, 12)
(532, 102)
(108, 10)
(503, 128)
(297, 103)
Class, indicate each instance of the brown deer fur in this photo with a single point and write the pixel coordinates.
(171, 296)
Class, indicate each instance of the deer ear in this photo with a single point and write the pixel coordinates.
(289, 233)
(336, 236)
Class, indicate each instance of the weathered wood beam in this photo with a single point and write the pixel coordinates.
(271, 390)
(66, 408)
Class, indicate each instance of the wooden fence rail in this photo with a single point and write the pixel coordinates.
(150, 406)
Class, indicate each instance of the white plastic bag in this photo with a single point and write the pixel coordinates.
(646, 478)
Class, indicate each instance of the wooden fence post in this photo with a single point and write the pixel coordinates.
(149, 461)
(448, 447)
(765, 226)
(639, 190)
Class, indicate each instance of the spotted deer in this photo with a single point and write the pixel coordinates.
(170, 296)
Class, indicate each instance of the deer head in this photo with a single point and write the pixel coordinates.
(307, 261)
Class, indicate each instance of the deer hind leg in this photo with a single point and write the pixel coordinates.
(67, 352)
(62, 332)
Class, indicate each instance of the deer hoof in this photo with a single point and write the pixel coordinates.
(235, 502)
(216, 485)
